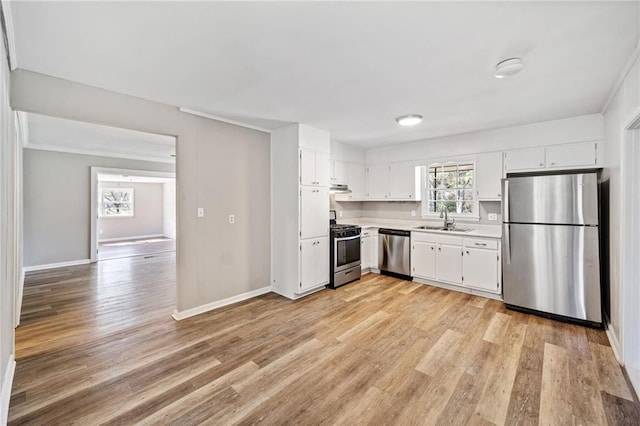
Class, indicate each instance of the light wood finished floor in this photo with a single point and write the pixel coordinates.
(97, 345)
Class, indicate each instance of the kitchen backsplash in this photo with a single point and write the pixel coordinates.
(402, 210)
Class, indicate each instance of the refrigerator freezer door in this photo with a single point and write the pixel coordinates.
(558, 199)
(552, 268)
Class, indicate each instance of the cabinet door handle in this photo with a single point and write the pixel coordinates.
(439, 248)
(468, 252)
(542, 164)
(480, 244)
(432, 248)
(553, 164)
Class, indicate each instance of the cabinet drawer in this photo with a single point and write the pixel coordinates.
(487, 243)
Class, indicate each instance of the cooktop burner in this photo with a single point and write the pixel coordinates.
(341, 226)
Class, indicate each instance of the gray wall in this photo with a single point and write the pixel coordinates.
(57, 203)
(148, 214)
(221, 167)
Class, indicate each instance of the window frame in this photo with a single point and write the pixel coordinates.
(424, 188)
(101, 203)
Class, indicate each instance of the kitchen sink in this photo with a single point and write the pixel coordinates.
(441, 228)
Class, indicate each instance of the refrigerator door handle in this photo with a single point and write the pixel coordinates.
(507, 244)
(505, 202)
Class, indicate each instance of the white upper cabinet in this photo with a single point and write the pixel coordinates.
(356, 180)
(402, 182)
(572, 155)
(378, 182)
(524, 159)
(314, 212)
(338, 172)
(565, 156)
(314, 168)
(393, 182)
(489, 172)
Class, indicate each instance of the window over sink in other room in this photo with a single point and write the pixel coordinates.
(116, 202)
(450, 186)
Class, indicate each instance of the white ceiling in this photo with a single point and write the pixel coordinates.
(347, 67)
(85, 138)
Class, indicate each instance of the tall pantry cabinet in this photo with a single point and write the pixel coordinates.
(299, 210)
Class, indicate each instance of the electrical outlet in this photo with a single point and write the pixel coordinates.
(492, 216)
(232, 218)
(200, 211)
(101, 231)
(340, 213)
(413, 213)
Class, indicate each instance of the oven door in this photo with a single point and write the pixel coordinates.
(347, 253)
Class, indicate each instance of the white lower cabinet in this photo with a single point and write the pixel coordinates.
(472, 263)
(366, 253)
(314, 263)
(423, 259)
(449, 267)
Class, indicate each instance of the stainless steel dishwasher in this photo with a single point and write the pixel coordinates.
(394, 253)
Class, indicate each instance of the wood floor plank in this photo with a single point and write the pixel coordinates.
(377, 351)
(555, 404)
(610, 375)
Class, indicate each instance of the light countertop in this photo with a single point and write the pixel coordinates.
(478, 230)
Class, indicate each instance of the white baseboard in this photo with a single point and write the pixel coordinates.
(615, 345)
(132, 237)
(5, 392)
(634, 376)
(57, 265)
(219, 303)
(19, 299)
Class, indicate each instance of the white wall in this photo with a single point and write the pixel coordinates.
(576, 129)
(220, 167)
(9, 231)
(57, 203)
(147, 219)
(169, 209)
(344, 152)
(624, 106)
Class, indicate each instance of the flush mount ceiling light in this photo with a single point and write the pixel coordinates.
(508, 67)
(409, 120)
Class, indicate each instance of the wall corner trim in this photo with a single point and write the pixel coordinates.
(623, 74)
(615, 345)
(5, 393)
(224, 120)
(178, 316)
(56, 265)
(10, 34)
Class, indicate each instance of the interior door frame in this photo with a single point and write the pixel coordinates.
(630, 247)
(95, 171)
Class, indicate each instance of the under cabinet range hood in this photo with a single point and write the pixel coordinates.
(339, 189)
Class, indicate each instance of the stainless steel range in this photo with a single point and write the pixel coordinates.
(345, 252)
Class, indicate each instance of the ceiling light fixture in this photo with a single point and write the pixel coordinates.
(409, 120)
(509, 67)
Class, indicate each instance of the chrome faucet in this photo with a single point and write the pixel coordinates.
(444, 214)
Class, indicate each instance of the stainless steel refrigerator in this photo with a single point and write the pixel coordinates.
(550, 244)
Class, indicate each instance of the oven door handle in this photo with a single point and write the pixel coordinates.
(347, 238)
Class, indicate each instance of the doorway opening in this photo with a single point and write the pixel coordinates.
(136, 214)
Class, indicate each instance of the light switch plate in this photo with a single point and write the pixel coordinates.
(413, 213)
(232, 218)
(492, 216)
(200, 211)
(340, 213)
